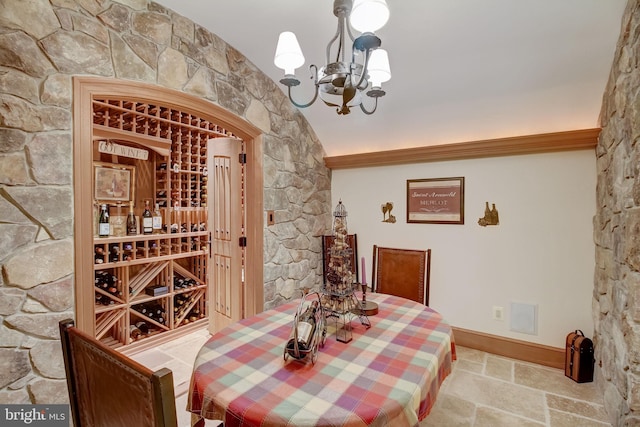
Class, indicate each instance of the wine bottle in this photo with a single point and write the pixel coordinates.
(195, 315)
(306, 327)
(132, 227)
(494, 215)
(135, 332)
(157, 220)
(144, 328)
(100, 277)
(103, 222)
(147, 219)
(98, 255)
(115, 254)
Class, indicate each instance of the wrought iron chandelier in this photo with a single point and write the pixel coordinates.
(348, 73)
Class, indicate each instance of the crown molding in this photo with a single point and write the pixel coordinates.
(583, 139)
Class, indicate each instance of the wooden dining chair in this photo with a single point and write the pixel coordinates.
(107, 388)
(402, 272)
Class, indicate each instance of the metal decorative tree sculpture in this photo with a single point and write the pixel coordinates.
(338, 294)
(340, 274)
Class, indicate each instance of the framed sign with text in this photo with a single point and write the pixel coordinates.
(435, 200)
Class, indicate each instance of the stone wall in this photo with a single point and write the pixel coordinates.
(617, 231)
(42, 45)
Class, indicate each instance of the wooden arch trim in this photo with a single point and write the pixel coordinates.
(84, 90)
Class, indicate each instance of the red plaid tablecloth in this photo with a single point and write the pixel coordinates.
(388, 375)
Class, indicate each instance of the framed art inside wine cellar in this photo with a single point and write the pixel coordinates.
(114, 182)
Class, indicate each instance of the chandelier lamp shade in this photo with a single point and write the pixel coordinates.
(355, 66)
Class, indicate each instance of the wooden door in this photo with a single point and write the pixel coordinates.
(226, 216)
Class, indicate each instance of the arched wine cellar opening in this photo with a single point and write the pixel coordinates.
(135, 144)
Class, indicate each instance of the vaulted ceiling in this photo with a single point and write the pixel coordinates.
(462, 70)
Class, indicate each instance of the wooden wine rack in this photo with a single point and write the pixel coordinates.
(161, 279)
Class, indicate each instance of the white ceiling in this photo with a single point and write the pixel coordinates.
(462, 70)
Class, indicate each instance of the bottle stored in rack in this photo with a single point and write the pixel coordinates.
(114, 253)
(108, 282)
(153, 311)
(147, 219)
(98, 256)
(103, 222)
(157, 220)
(134, 332)
(144, 328)
(132, 226)
(180, 283)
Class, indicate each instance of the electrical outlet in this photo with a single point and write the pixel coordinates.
(498, 313)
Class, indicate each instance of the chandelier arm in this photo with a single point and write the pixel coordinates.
(341, 43)
(314, 76)
(365, 69)
(364, 110)
(335, 37)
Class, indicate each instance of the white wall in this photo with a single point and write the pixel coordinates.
(541, 253)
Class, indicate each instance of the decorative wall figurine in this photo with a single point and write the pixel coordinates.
(386, 209)
(490, 216)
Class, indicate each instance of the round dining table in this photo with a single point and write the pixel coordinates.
(387, 375)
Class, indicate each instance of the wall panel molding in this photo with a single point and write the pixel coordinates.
(584, 139)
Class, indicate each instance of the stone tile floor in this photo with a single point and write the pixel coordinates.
(483, 390)
(179, 355)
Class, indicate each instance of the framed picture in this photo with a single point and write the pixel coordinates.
(435, 200)
(113, 182)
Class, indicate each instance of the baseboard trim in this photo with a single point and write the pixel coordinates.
(509, 347)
